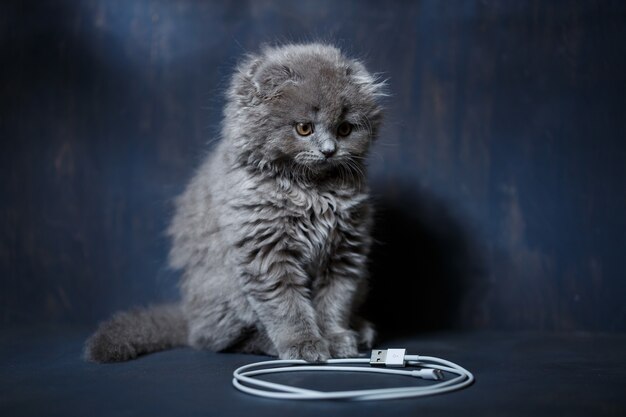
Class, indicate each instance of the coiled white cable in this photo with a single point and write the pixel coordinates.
(425, 367)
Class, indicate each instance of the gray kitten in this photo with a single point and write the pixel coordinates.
(273, 232)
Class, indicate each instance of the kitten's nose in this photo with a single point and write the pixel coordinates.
(328, 152)
(328, 149)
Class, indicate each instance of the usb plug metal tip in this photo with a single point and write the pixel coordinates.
(379, 357)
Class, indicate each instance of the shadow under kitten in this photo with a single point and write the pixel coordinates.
(426, 269)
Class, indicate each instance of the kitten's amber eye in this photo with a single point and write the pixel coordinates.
(344, 129)
(304, 129)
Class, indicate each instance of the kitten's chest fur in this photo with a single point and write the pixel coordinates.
(323, 225)
(319, 221)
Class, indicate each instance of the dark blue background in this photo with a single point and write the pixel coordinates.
(499, 176)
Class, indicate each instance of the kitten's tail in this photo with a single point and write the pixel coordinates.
(129, 334)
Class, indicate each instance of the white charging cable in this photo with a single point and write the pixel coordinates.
(425, 367)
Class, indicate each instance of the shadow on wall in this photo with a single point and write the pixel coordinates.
(427, 272)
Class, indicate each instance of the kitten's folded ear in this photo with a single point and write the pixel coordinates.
(259, 79)
(270, 78)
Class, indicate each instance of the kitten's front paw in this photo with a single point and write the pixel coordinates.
(343, 344)
(311, 350)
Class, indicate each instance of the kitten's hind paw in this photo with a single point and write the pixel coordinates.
(311, 350)
(367, 334)
(343, 344)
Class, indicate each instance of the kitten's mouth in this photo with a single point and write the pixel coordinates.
(326, 166)
(324, 162)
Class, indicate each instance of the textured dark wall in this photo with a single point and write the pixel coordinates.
(499, 176)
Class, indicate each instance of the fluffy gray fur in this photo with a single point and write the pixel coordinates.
(273, 232)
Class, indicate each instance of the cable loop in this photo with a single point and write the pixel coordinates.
(427, 367)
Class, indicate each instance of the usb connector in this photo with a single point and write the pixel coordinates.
(388, 357)
(397, 358)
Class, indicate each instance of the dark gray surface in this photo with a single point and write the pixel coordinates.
(517, 375)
